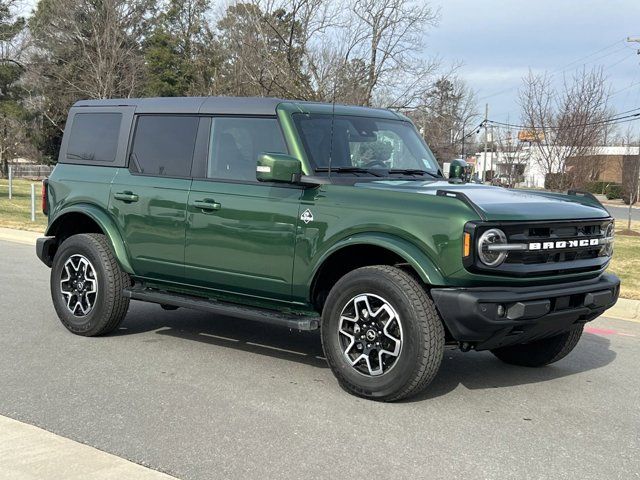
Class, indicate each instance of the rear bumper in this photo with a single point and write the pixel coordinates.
(487, 318)
(45, 249)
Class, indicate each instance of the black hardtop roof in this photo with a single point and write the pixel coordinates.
(226, 105)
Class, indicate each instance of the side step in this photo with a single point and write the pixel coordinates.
(273, 317)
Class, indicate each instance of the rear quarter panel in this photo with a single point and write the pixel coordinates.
(78, 184)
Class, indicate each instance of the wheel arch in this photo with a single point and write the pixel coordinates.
(365, 250)
(87, 218)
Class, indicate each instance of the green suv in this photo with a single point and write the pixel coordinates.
(316, 216)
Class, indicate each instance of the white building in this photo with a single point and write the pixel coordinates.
(527, 158)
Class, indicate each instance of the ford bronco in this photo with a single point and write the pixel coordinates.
(316, 216)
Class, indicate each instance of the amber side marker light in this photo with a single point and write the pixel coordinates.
(466, 245)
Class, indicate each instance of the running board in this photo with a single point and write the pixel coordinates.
(256, 314)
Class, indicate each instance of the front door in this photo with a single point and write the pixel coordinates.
(240, 233)
(149, 200)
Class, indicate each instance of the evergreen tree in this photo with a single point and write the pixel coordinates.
(12, 112)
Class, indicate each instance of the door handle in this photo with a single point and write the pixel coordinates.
(126, 196)
(206, 204)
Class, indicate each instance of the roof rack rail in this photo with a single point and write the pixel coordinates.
(464, 199)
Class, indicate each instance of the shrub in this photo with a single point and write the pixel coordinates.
(557, 181)
(614, 191)
(596, 187)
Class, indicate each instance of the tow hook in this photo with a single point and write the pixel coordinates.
(465, 346)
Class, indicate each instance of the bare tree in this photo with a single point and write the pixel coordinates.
(630, 168)
(568, 121)
(512, 156)
(365, 52)
(91, 49)
(447, 114)
(267, 46)
(387, 35)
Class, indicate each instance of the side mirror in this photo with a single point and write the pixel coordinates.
(278, 167)
(458, 170)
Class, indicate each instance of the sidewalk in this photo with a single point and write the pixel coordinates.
(30, 453)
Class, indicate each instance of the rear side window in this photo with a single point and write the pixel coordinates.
(163, 145)
(94, 137)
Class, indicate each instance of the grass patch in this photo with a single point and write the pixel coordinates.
(16, 213)
(626, 260)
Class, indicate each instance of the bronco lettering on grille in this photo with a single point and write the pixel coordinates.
(558, 245)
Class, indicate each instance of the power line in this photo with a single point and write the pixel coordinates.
(611, 121)
(566, 66)
(623, 89)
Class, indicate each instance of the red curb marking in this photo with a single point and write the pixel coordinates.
(604, 331)
(600, 331)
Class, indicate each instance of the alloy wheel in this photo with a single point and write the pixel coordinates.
(78, 285)
(370, 334)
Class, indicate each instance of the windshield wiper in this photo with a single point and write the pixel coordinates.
(412, 171)
(349, 170)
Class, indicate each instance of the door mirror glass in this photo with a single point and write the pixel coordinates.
(459, 171)
(278, 167)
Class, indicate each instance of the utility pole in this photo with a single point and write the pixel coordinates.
(491, 154)
(484, 158)
(634, 187)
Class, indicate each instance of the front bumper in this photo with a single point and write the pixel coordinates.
(487, 318)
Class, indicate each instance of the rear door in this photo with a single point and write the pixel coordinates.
(241, 233)
(149, 199)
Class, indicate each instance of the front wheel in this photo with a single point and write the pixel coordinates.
(87, 284)
(540, 352)
(381, 334)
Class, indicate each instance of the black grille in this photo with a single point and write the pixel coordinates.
(528, 234)
(547, 262)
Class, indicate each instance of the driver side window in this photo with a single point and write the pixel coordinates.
(236, 142)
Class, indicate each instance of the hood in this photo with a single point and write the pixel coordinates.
(499, 203)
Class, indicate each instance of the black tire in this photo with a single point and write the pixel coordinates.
(109, 306)
(422, 334)
(540, 352)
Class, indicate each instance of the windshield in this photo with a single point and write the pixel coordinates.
(363, 144)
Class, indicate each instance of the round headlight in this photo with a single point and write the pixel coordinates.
(609, 234)
(491, 258)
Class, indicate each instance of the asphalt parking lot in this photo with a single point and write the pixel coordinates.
(202, 397)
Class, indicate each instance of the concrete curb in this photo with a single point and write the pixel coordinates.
(19, 236)
(28, 452)
(625, 309)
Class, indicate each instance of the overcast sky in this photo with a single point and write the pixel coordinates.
(498, 41)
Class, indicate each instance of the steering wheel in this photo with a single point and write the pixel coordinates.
(375, 162)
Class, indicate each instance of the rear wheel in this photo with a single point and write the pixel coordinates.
(381, 334)
(540, 352)
(87, 284)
